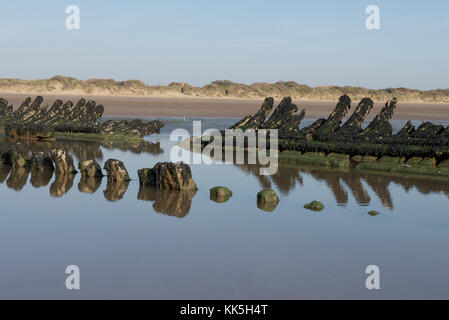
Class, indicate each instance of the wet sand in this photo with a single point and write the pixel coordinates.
(229, 107)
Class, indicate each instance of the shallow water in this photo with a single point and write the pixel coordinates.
(148, 244)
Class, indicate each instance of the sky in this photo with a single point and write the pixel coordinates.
(317, 43)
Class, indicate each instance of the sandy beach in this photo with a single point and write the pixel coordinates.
(223, 107)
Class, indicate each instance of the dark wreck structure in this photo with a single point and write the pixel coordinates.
(36, 120)
(337, 143)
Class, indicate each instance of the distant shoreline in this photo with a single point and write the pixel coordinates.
(221, 89)
(175, 107)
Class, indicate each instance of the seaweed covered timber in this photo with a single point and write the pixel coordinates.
(33, 119)
(332, 142)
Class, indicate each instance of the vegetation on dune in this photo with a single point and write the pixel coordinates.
(220, 88)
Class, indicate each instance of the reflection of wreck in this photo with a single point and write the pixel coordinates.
(342, 181)
(426, 146)
(82, 149)
(170, 202)
(34, 120)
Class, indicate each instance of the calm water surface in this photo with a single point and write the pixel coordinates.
(148, 244)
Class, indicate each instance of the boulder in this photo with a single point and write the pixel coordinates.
(63, 162)
(90, 169)
(373, 213)
(267, 200)
(314, 206)
(220, 194)
(116, 170)
(168, 175)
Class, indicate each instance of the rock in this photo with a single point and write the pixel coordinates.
(63, 162)
(90, 168)
(41, 161)
(314, 206)
(220, 194)
(267, 200)
(116, 170)
(168, 175)
(373, 213)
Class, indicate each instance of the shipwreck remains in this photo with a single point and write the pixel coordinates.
(332, 142)
(35, 120)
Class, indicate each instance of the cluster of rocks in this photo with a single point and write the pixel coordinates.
(349, 137)
(33, 119)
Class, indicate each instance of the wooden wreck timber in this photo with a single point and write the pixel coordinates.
(330, 142)
(34, 120)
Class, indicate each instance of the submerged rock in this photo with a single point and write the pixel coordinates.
(267, 200)
(116, 170)
(63, 162)
(90, 169)
(314, 206)
(168, 175)
(220, 194)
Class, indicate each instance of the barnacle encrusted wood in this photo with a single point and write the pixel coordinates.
(33, 119)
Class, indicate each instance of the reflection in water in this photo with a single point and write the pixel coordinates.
(358, 191)
(18, 178)
(338, 181)
(40, 178)
(89, 149)
(170, 202)
(267, 206)
(4, 171)
(380, 184)
(332, 179)
(115, 190)
(61, 185)
(362, 186)
(89, 184)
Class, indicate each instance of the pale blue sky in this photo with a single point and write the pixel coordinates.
(311, 42)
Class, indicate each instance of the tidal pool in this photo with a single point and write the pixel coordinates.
(147, 244)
